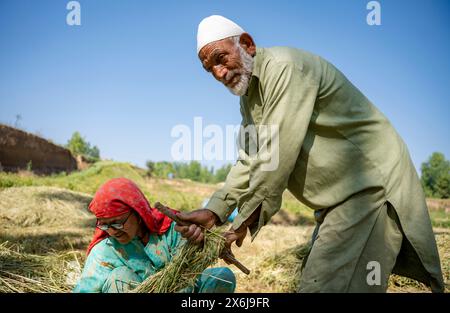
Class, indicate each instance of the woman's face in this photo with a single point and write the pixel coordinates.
(130, 222)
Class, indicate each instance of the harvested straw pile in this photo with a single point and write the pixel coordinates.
(43, 206)
(282, 270)
(190, 261)
(22, 272)
(45, 219)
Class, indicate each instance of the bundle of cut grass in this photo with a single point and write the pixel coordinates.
(190, 261)
(21, 272)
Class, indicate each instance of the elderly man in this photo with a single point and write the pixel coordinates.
(338, 154)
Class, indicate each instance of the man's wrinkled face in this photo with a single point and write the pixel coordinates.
(229, 63)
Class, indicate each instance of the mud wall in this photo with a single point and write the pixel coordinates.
(18, 148)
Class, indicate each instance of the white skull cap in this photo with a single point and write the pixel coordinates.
(216, 27)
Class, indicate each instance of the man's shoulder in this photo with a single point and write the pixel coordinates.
(274, 59)
(289, 55)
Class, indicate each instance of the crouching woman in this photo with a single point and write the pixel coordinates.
(133, 241)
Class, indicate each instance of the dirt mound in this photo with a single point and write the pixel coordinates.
(21, 150)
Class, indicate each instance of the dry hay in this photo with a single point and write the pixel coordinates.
(407, 285)
(190, 261)
(283, 269)
(273, 267)
(40, 227)
(28, 215)
(38, 206)
(275, 258)
(22, 272)
(43, 219)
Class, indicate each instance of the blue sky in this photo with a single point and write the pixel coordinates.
(130, 73)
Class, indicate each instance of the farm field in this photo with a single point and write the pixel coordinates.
(45, 228)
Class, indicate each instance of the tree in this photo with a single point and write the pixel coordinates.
(76, 144)
(150, 168)
(436, 176)
(95, 153)
(163, 169)
(192, 170)
(79, 146)
(222, 173)
(195, 171)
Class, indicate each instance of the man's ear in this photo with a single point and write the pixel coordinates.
(246, 42)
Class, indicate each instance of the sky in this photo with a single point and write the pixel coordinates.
(129, 73)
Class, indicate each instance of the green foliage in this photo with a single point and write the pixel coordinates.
(86, 181)
(293, 212)
(192, 170)
(30, 166)
(79, 146)
(436, 176)
(221, 173)
(150, 168)
(163, 169)
(440, 218)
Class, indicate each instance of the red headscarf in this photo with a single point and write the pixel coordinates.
(118, 196)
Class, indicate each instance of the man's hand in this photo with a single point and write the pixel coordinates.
(231, 236)
(194, 232)
(238, 235)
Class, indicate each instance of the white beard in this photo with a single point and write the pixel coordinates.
(246, 73)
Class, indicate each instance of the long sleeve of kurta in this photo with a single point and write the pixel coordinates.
(287, 96)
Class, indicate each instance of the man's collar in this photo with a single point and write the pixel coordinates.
(257, 61)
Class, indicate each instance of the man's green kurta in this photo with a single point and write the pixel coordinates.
(333, 144)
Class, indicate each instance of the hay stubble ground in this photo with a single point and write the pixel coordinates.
(45, 229)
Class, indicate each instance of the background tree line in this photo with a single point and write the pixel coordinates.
(192, 170)
(436, 176)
